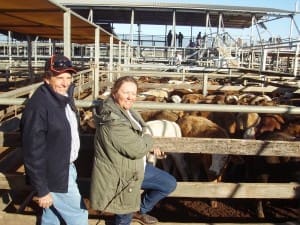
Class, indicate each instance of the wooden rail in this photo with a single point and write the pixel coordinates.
(193, 145)
(189, 145)
(188, 189)
(16, 181)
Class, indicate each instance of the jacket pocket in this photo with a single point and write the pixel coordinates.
(129, 190)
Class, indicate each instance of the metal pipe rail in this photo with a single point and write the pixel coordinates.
(140, 105)
(30, 88)
(20, 91)
(185, 71)
(217, 108)
(288, 45)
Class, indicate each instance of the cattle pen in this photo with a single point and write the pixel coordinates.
(13, 182)
(219, 66)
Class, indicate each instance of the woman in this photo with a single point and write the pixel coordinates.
(120, 169)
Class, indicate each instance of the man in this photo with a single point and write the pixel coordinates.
(50, 142)
(169, 38)
(180, 38)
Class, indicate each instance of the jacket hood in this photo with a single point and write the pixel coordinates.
(108, 111)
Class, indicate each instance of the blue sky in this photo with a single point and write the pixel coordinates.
(277, 28)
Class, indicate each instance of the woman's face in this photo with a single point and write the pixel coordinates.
(126, 95)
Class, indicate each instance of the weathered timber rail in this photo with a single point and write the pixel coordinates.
(202, 145)
(16, 181)
(195, 145)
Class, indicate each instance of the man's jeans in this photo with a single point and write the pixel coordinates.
(67, 207)
(157, 184)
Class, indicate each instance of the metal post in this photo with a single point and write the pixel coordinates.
(50, 47)
(191, 33)
(296, 59)
(35, 51)
(131, 27)
(119, 58)
(96, 64)
(131, 33)
(218, 44)
(291, 27)
(139, 35)
(173, 43)
(206, 30)
(205, 79)
(166, 33)
(91, 16)
(252, 59)
(251, 35)
(67, 33)
(264, 59)
(277, 60)
(111, 52)
(9, 50)
(79, 86)
(125, 54)
(219, 23)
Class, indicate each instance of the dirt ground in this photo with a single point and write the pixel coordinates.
(234, 210)
(179, 210)
(199, 211)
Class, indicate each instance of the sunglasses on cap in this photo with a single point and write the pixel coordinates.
(61, 64)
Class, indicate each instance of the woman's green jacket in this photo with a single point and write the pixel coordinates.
(118, 169)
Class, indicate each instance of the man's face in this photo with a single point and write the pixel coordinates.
(126, 95)
(60, 83)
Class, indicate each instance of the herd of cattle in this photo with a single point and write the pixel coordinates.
(236, 125)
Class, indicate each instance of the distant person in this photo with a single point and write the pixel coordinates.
(50, 144)
(169, 38)
(278, 40)
(199, 39)
(204, 40)
(180, 38)
(270, 40)
(120, 169)
(239, 42)
(224, 38)
(191, 47)
(178, 58)
(192, 44)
